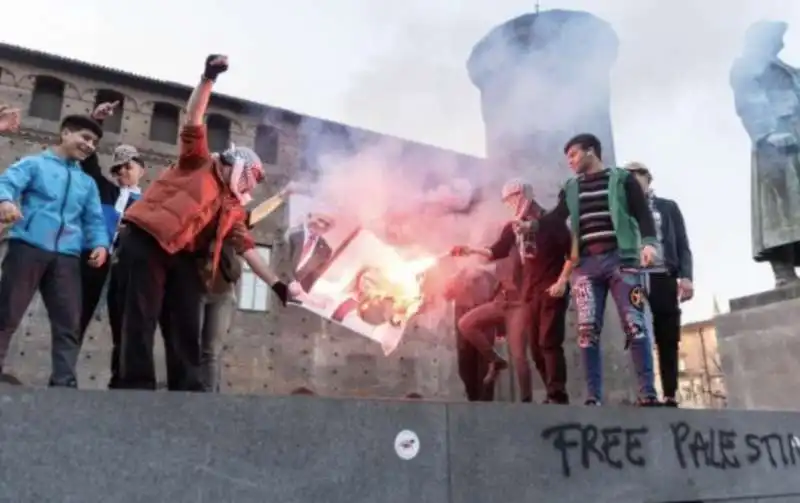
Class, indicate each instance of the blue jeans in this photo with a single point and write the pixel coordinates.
(593, 278)
(218, 313)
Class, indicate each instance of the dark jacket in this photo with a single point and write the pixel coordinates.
(109, 193)
(308, 274)
(675, 241)
(551, 241)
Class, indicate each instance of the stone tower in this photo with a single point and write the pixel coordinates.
(543, 78)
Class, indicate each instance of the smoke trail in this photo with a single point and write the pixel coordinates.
(668, 88)
(407, 192)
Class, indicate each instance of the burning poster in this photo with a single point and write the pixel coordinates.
(365, 285)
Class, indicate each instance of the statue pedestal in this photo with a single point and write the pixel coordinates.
(759, 344)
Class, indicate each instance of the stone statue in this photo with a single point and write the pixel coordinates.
(767, 97)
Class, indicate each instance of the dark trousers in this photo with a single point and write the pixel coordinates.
(58, 279)
(472, 365)
(663, 297)
(151, 286)
(216, 313)
(539, 324)
(548, 325)
(174, 369)
(93, 279)
(516, 317)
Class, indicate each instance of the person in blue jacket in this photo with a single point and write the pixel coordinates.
(54, 209)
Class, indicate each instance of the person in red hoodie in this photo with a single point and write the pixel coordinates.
(185, 214)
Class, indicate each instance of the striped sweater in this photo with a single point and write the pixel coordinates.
(596, 228)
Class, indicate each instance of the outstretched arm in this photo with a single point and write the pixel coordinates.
(194, 151)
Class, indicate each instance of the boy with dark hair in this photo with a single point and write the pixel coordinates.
(57, 214)
(670, 281)
(612, 236)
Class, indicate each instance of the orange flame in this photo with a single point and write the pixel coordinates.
(394, 279)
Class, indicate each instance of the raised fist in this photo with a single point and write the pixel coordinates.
(215, 65)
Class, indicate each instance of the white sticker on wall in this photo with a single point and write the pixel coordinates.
(406, 445)
(795, 442)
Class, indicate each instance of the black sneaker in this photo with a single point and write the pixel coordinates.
(670, 402)
(592, 403)
(648, 402)
(557, 398)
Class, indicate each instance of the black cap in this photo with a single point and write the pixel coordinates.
(82, 122)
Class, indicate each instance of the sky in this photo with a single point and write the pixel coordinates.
(399, 68)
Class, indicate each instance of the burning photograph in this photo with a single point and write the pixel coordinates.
(368, 287)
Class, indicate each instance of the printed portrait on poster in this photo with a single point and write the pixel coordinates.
(368, 287)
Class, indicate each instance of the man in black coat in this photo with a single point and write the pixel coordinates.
(309, 252)
(670, 281)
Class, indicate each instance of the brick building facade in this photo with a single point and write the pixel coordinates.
(270, 349)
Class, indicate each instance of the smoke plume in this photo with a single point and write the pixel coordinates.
(666, 88)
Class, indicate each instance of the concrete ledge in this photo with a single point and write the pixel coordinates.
(759, 349)
(126, 447)
(138, 447)
(789, 292)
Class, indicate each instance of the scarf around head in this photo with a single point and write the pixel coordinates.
(246, 173)
(525, 192)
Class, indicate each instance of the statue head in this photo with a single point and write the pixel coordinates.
(765, 38)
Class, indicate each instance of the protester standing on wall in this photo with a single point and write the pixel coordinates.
(613, 237)
(193, 206)
(670, 281)
(533, 306)
(55, 211)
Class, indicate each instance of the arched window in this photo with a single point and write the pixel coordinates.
(164, 123)
(219, 132)
(112, 124)
(48, 98)
(266, 144)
